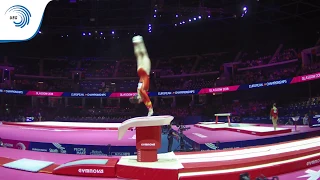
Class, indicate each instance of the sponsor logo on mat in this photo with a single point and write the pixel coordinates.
(59, 147)
(148, 144)
(120, 153)
(212, 146)
(311, 174)
(21, 146)
(98, 153)
(82, 151)
(8, 145)
(91, 171)
(313, 162)
(200, 135)
(39, 150)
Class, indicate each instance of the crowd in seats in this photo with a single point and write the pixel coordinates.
(127, 69)
(245, 109)
(266, 74)
(176, 65)
(58, 68)
(184, 83)
(22, 66)
(91, 86)
(199, 82)
(19, 113)
(303, 106)
(42, 85)
(98, 69)
(313, 68)
(93, 119)
(212, 62)
(257, 59)
(170, 84)
(254, 59)
(286, 55)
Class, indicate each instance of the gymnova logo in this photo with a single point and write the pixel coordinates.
(91, 171)
(148, 144)
(310, 163)
(20, 19)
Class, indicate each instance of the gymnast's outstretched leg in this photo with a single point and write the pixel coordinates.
(143, 70)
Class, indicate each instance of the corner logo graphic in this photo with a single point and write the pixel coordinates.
(20, 15)
(20, 19)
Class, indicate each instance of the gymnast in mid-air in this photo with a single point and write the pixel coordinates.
(143, 70)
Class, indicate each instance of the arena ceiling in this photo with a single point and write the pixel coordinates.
(136, 15)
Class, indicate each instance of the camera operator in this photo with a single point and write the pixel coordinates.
(170, 136)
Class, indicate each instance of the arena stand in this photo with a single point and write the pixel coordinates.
(244, 105)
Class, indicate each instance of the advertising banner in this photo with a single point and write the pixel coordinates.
(219, 89)
(224, 89)
(23, 145)
(305, 78)
(83, 149)
(315, 121)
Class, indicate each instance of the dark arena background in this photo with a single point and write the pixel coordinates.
(218, 67)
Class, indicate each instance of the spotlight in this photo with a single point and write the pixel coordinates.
(183, 22)
(189, 20)
(40, 32)
(154, 16)
(101, 33)
(155, 10)
(209, 16)
(149, 25)
(177, 15)
(112, 32)
(245, 8)
(199, 17)
(89, 34)
(83, 34)
(194, 18)
(175, 24)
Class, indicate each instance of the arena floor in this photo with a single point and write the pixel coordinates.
(192, 165)
(11, 174)
(204, 135)
(100, 135)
